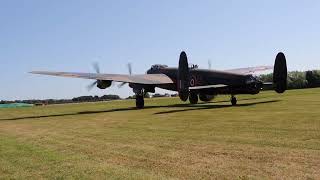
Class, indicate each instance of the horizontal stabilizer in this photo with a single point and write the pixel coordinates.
(268, 83)
(208, 87)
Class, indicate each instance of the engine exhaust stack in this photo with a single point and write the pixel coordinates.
(280, 73)
(183, 77)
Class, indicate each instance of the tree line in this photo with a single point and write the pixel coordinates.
(64, 101)
(298, 79)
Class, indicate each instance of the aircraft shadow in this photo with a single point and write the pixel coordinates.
(239, 100)
(185, 107)
(213, 106)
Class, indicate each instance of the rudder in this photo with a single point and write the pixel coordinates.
(183, 77)
(280, 73)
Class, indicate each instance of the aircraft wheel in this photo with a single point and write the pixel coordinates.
(233, 101)
(193, 98)
(139, 101)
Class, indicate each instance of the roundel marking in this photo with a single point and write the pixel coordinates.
(192, 81)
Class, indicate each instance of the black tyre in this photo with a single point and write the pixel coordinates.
(233, 101)
(193, 98)
(139, 102)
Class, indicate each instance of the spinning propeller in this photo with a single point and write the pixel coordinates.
(129, 66)
(97, 69)
(209, 64)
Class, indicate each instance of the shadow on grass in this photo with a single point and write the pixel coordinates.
(213, 106)
(185, 107)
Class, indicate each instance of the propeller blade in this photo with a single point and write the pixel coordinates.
(129, 68)
(209, 64)
(96, 67)
(130, 73)
(122, 84)
(92, 85)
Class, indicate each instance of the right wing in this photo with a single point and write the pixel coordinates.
(137, 79)
(250, 70)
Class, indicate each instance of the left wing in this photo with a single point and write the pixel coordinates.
(250, 70)
(137, 79)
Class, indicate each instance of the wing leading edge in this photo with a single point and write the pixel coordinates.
(137, 79)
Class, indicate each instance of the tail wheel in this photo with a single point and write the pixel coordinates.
(233, 101)
(193, 98)
(139, 101)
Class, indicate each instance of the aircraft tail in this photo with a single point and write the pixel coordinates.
(280, 73)
(183, 77)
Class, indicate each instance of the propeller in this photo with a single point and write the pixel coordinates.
(97, 69)
(92, 85)
(129, 66)
(209, 63)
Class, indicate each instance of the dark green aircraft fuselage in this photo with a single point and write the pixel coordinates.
(236, 83)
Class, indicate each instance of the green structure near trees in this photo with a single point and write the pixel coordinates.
(15, 105)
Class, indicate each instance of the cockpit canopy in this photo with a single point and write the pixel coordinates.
(193, 66)
(158, 66)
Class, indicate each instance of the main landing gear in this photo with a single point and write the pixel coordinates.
(233, 100)
(139, 99)
(193, 98)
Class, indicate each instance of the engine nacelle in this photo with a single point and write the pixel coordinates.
(150, 89)
(206, 97)
(103, 84)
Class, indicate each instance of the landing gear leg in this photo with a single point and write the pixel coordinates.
(193, 98)
(233, 100)
(139, 99)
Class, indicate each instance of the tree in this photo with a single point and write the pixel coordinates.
(110, 97)
(296, 80)
(313, 78)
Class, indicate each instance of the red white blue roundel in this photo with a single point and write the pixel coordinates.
(193, 81)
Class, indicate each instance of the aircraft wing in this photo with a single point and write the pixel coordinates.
(250, 70)
(138, 79)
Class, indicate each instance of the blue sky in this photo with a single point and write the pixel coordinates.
(70, 35)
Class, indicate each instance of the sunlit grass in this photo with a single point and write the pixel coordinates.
(265, 136)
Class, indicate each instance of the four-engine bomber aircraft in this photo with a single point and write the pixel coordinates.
(191, 82)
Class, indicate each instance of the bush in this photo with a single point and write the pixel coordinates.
(297, 79)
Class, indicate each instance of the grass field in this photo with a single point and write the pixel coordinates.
(265, 136)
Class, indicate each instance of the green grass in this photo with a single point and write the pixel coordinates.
(265, 136)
